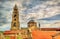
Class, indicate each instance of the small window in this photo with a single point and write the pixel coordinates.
(14, 15)
(14, 24)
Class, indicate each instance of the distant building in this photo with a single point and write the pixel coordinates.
(32, 25)
(2, 36)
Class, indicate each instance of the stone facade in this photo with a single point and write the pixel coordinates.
(15, 19)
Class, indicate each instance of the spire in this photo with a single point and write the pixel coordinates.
(39, 26)
(15, 7)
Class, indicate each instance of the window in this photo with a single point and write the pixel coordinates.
(14, 24)
(14, 15)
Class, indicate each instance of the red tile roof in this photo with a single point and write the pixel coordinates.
(11, 32)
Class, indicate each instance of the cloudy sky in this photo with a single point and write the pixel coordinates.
(46, 12)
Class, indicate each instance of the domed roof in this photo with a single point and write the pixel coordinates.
(31, 21)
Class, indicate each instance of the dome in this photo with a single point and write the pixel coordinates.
(31, 21)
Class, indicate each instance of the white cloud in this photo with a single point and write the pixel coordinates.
(5, 27)
(47, 9)
(38, 11)
(50, 24)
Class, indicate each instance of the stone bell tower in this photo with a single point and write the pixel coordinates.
(15, 19)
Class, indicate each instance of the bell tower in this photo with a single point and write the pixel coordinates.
(15, 19)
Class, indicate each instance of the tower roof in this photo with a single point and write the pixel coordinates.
(31, 21)
(15, 7)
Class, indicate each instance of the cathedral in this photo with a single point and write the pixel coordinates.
(15, 30)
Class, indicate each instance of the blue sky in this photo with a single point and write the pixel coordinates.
(30, 9)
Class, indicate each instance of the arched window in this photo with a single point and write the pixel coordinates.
(14, 24)
(15, 19)
(14, 15)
